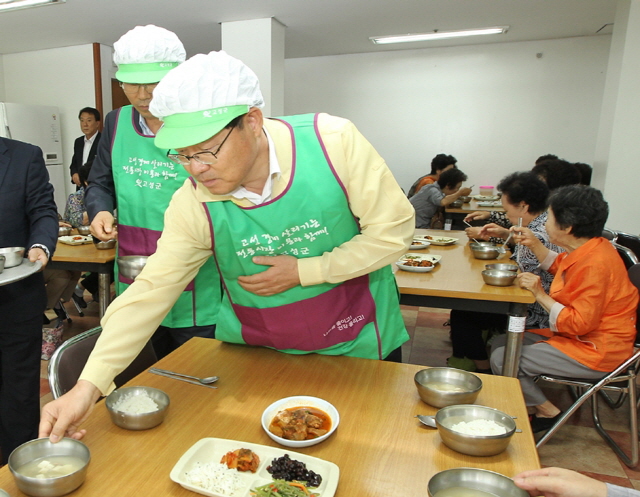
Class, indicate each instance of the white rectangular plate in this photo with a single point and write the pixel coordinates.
(486, 197)
(419, 257)
(436, 240)
(419, 244)
(209, 450)
(75, 239)
(495, 203)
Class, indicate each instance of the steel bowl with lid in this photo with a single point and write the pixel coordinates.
(105, 245)
(484, 250)
(502, 267)
(497, 277)
(477, 444)
(440, 387)
(64, 230)
(469, 479)
(130, 266)
(84, 230)
(12, 256)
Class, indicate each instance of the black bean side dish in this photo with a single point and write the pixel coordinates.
(285, 468)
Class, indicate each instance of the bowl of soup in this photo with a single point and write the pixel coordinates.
(300, 421)
(44, 469)
(441, 387)
(472, 482)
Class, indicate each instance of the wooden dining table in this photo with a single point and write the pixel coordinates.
(379, 446)
(87, 257)
(456, 215)
(456, 283)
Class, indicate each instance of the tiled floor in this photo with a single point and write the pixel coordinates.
(576, 446)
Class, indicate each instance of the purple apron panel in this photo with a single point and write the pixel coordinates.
(311, 324)
(138, 241)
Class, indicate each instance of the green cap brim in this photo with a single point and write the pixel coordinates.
(191, 128)
(143, 74)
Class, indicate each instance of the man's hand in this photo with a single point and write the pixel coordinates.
(558, 482)
(76, 179)
(37, 254)
(63, 416)
(102, 226)
(282, 275)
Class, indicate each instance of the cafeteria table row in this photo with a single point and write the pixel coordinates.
(86, 257)
(456, 283)
(379, 446)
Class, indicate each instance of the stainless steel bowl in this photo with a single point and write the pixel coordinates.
(474, 445)
(64, 230)
(456, 204)
(109, 244)
(465, 199)
(502, 267)
(496, 277)
(42, 448)
(142, 421)
(131, 265)
(476, 479)
(484, 250)
(437, 386)
(84, 230)
(2, 259)
(12, 256)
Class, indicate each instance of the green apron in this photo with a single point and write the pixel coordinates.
(359, 317)
(145, 180)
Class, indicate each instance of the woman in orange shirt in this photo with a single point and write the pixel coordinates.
(591, 302)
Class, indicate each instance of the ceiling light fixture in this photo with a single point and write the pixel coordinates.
(25, 4)
(437, 35)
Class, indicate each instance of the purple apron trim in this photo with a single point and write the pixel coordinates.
(311, 324)
(293, 170)
(326, 156)
(115, 129)
(138, 241)
(136, 125)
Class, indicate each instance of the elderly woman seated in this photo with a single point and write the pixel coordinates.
(591, 302)
(524, 196)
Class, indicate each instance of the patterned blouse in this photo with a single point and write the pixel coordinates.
(537, 317)
(75, 208)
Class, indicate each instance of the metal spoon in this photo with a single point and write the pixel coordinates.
(427, 420)
(205, 381)
(502, 249)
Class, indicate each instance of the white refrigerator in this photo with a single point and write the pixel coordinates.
(39, 125)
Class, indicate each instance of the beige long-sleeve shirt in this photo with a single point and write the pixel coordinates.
(385, 215)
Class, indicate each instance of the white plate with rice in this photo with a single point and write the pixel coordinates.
(199, 470)
(436, 240)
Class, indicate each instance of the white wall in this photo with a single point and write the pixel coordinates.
(495, 107)
(2, 97)
(62, 77)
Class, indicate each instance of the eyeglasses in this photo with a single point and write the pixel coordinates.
(134, 88)
(206, 157)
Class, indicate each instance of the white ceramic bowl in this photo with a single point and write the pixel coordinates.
(299, 401)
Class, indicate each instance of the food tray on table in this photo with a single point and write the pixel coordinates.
(419, 244)
(489, 203)
(417, 258)
(486, 197)
(211, 450)
(17, 273)
(436, 240)
(75, 239)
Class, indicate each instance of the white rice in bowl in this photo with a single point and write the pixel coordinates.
(480, 428)
(135, 404)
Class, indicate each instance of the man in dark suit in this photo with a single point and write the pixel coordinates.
(30, 220)
(85, 147)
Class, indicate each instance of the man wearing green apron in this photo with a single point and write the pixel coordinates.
(135, 176)
(303, 217)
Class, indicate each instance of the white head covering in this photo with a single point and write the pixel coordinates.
(200, 97)
(146, 54)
